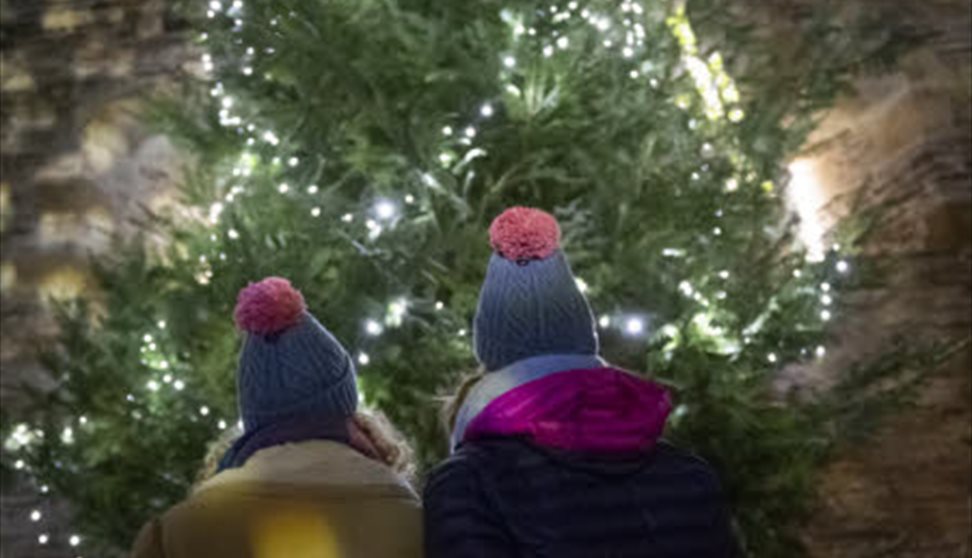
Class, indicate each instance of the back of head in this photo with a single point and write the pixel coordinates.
(290, 365)
(530, 304)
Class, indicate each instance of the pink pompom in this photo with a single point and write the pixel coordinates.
(268, 307)
(524, 233)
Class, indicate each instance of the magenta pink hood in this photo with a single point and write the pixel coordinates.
(603, 410)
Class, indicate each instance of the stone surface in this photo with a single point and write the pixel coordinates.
(76, 162)
(903, 144)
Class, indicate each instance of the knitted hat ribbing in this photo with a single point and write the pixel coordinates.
(530, 304)
(290, 365)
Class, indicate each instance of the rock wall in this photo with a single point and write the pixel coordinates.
(903, 143)
(76, 165)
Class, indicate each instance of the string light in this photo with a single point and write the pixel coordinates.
(373, 328)
(470, 132)
(43, 538)
(486, 110)
(842, 266)
(634, 326)
(509, 61)
(204, 410)
(772, 358)
(74, 540)
(821, 351)
(825, 315)
(316, 212)
(604, 321)
(385, 209)
(179, 385)
(447, 130)
(312, 189)
(36, 516)
(363, 359)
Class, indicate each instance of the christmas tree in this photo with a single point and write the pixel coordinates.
(361, 148)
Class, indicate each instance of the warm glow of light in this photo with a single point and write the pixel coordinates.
(806, 198)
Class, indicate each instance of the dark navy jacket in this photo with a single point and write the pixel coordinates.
(506, 497)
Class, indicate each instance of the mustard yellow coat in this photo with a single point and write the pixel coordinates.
(315, 499)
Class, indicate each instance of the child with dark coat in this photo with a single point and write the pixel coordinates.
(556, 453)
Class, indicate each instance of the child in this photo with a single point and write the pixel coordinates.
(309, 476)
(555, 452)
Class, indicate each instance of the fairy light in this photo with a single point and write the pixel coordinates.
(634, 326)
(179, 385)
(821, 351)
(312, 189)
(825, 315)
(233, 234)
(563, 43)
(74, 540)
(363, 359)
(825, 287)
(373, 328)
(509, 61)
(221, 424)
(439, 305)
(686, 288)
(347, 217)
(36, 516)
(470, 132)
(772, 358)
(842, 266)
(43, 538)
(316, 212)
(152, 385)
(486, 110)
(732, 185)
(447, 130)
(385, 209)
(204, 410)
(604, 321)
(283, 188)
(548, 51)
(409, 199)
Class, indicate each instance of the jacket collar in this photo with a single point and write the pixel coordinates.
(495, 384)
(309, 463)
